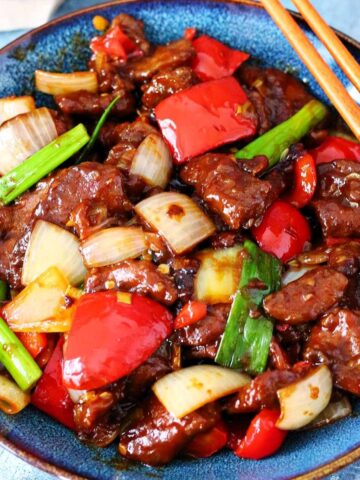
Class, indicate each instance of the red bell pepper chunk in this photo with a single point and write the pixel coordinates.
(304, 181)
(33, 342)
(215, 60)
(335, 148)
(206, 444)
(111, 335)
(115, 43)
(262, 438)
(204, 117)
(191, 312)
(283, 231)
(189, 33)
(50, 395)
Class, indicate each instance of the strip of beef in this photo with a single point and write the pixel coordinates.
(183, 270)
(308, 297)
(155, 437)
(261, 392)
(292, 339)
(95, 409)
(205, 331)
(167, 83)
(203, 352)
(335, 340)
(124, 139)
(275, 94)
(337, 202)
(89, 104)
(58, 199)
(136, 276)
(345, 258)
(339, 179)
(337, 220)
(255, 166)
(165, 57)
(238, 197)
(108, 75)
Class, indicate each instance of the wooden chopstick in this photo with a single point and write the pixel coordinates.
(331, 41)
(329, 82)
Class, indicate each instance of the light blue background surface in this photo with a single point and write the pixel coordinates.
(342, 14)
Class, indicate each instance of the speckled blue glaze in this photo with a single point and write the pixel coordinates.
(63, 47)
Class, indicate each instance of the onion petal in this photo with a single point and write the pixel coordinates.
(336, 410)
(52, 246)
(218, 277)
(10, 107)
(24, 135)
(40, 307)
(185, 390)
(152, 161)
(177, 219)
(304, 400)
(12, 398)
(55, 83)
(113, 245)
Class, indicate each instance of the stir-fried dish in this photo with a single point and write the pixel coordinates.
(179, 251)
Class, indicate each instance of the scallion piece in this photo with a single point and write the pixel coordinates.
(246, 340)
(274, 142)
(96, 131)
(29, 172)
(16, 359)
(3, 290)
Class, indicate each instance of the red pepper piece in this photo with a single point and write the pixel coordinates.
(283, 231)
(335, 148)
(191, 312)
(189, 33)
(111, 335)
(115, 43)
(33, 342)
(50, 395)
(204, 117)
(262, 437)
(215, 60)
(206, 444)
(304, 181)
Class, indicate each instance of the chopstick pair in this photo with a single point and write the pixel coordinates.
(326, 78)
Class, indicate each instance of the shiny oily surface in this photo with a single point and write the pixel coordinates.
(64, 47)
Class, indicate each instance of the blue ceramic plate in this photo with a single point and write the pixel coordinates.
(63, 45)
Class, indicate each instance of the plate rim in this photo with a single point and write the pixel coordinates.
(36, 461)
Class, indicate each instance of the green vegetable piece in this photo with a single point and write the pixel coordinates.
(3, 290)
(16, 359)
(274, 142)
(29, 172)
(96, 131)
(246, 340)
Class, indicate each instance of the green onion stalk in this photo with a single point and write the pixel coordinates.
(29, 172)
(96, 131)
(16, 359)
(276, 141)
(246, 341)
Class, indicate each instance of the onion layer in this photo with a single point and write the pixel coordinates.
(52, 246)
(63, 83)
(152, 161)
(302, 401)
(24, 135)
(218, 276)
(113, 245)
(336, 410)
(40, 307)
(183, 391)
(177, 219)
(12, 398)
(10, 107)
